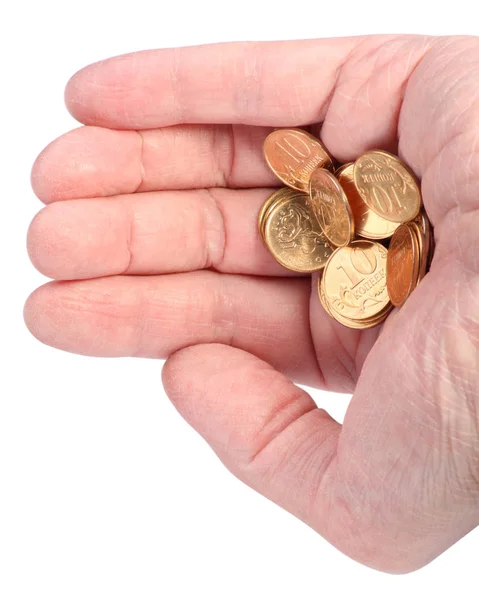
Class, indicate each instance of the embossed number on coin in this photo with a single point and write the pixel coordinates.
(386, 186)
(355, 280)
(293, 155)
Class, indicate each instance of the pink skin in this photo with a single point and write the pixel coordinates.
(398, 483)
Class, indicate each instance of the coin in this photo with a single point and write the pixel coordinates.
(293, 154)
(367, 224)
(403, 264)
(359, 324)
(275, 197)
(293, 236)
(386, 186)
(286, 192)
(331, 207)
(355, 281)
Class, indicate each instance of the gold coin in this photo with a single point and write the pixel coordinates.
(367, 224)
(386, 186)
(331, 207)
(287, 192)
(355, 280)
(293, 236)
(293, 155)
(403, 264)
(275, 197)
(359, 324)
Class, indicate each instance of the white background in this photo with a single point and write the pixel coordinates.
(105, 493)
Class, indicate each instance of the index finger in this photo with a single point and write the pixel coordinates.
(258, 83)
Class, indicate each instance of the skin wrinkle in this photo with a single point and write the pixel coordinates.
(176, 91)
(437, 158)
(302, 455)
(223, 174)
(141, 164)
(130, 236)
(286, 413)
(336, 86)
(225, 316)
(214, 254)
(465, 78)
(229, 172)
(436, 50)
(252, 98)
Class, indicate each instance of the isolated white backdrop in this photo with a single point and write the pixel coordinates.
(104, 491)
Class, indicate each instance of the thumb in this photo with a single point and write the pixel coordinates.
(268, 432)
(272, 436)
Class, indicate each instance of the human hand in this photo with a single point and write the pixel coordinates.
(166, 180)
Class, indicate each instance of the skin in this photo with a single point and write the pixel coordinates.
(149, 233)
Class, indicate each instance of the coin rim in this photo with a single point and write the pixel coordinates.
(273, 198)
(345, 201)
(285, 200)
(355, 242)
(423, 254)
(351, 323)
(415, 263)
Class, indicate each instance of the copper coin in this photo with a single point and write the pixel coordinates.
(403, 264)
(387, 186)
(367, 224)
(359, 324)
(275, 197)
(355, 280)
(293, 155)
(293, 236)
(331, 207)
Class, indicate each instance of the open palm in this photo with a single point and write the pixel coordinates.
(150, 233)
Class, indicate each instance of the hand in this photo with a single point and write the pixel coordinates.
(166, 180)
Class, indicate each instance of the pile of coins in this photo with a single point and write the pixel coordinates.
(362, 225)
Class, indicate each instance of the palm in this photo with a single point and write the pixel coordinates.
(398, 483)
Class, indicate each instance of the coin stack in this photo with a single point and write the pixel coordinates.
(362, 225)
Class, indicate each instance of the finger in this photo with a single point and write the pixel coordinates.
(158, 315)
(352, 484)
(355, 85)
(155, 316)
(270, 434)
(152, 233)
(93, 161)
